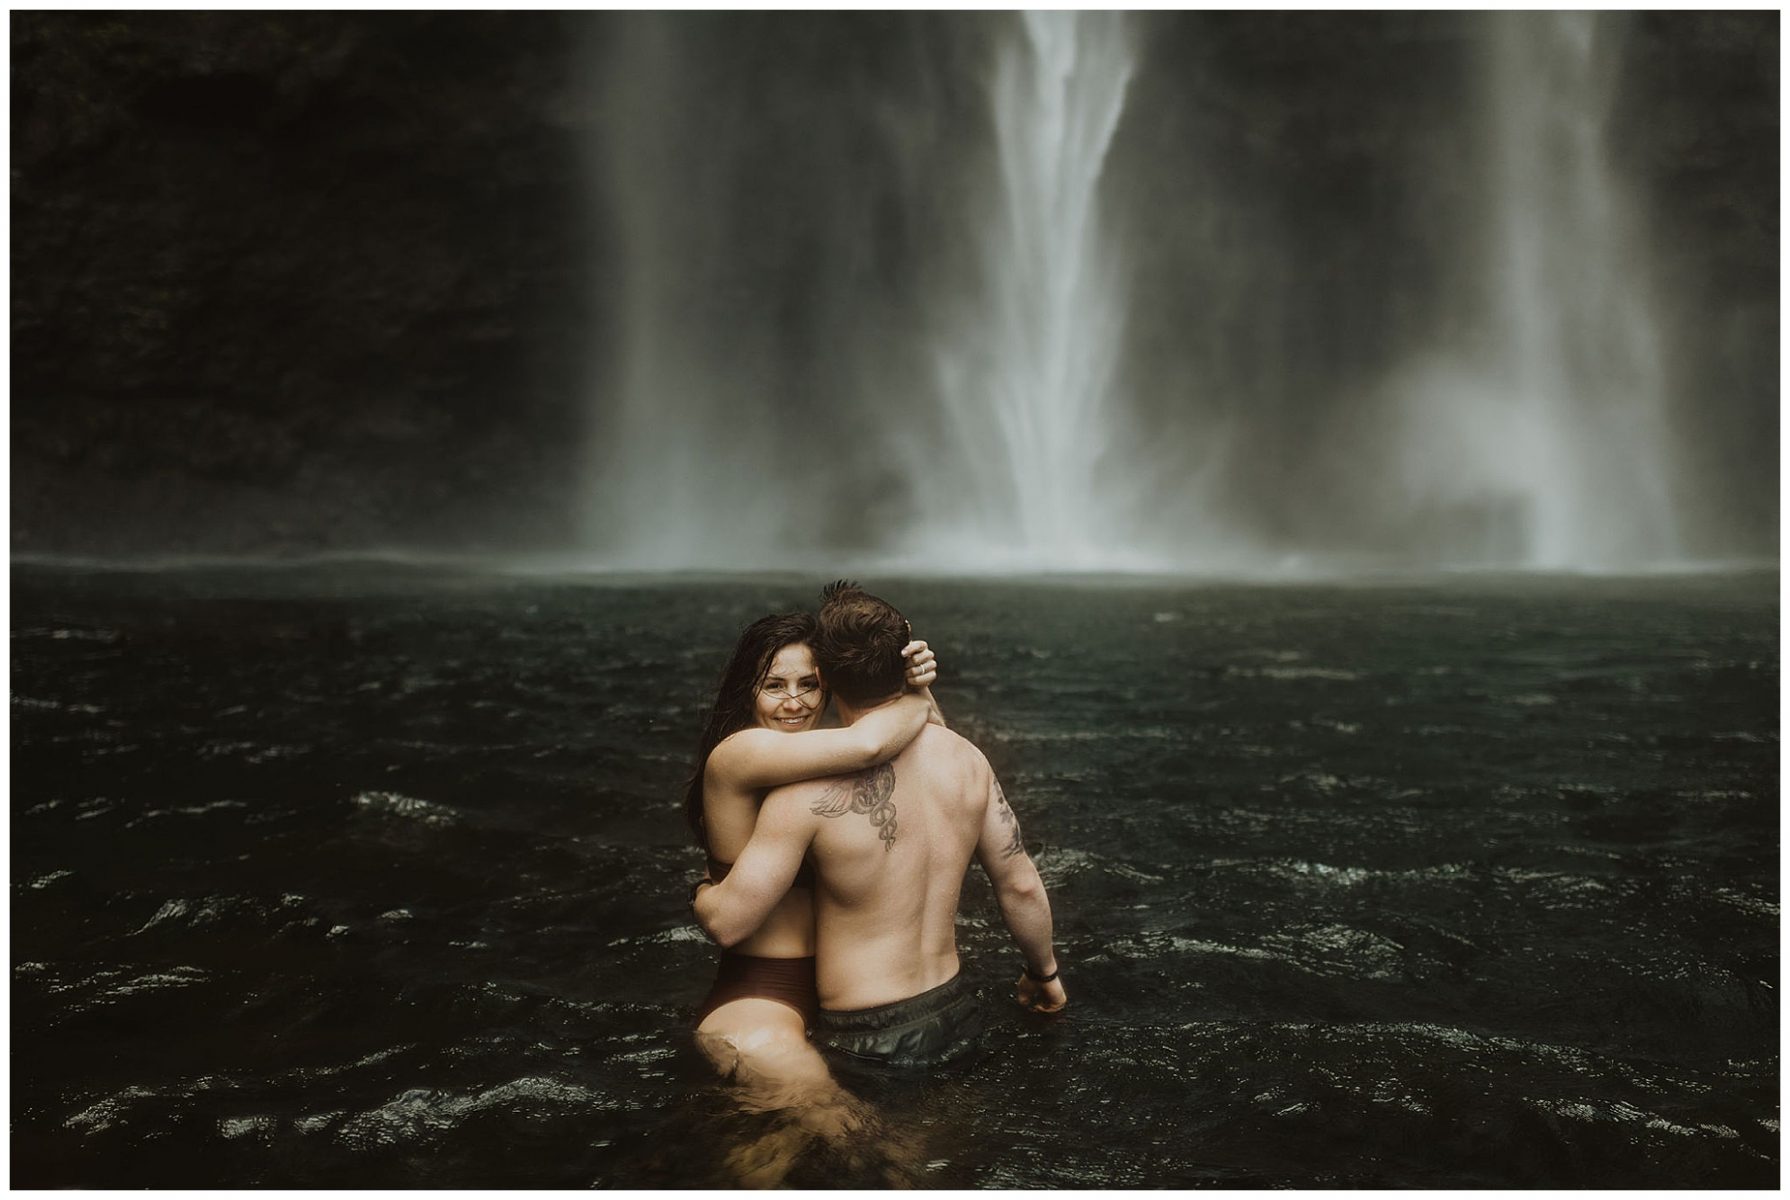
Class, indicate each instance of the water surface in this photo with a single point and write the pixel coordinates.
(362, 875)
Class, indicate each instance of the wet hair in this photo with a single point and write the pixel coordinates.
(736, 704)
(857, 644)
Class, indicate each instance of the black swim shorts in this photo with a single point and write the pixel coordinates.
(939, 1026)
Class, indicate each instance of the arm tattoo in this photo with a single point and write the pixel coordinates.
(871, 792)
(1005, 812)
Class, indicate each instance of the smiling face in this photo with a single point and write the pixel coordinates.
(789, 697)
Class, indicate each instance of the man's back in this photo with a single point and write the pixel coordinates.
(891, 846)
(890, 850)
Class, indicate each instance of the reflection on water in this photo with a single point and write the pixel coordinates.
(361, 876)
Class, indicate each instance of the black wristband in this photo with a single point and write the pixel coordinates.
(1031, 974)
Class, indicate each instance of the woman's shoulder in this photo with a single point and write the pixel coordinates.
(729, 747)
(725, 760)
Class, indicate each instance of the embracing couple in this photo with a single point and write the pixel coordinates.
(836, 856)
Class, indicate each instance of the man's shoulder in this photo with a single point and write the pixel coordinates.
(787, 792)
(806, 801)
(792, 805)
(939, 745)
(955, 772)
(821, 785)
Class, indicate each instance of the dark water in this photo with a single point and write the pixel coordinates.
(370, 876)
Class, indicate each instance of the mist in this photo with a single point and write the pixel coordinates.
(966, 292)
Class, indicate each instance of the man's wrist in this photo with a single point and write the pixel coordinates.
(1043, 976)
(696, 888)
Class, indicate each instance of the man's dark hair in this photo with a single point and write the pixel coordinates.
(857, 645)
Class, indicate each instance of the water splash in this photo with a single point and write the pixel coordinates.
(1545, 446)
(1027, 382)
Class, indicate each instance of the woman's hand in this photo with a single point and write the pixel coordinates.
(922, 669)
(922, 664)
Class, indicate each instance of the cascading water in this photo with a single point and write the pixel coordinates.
(1547, 447)
(1028, 378)
(878, 332)
(677, 475)
(738, 417)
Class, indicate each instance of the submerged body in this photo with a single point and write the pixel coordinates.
(753, 1025)
(890, 846)
(764, 988)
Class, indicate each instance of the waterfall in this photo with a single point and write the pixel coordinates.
(744, 421)
(682, 456)
(1026, 376)
(1545, 446)
(869, 304)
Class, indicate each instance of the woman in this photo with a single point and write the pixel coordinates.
(763, 997)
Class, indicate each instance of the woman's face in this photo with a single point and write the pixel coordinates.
(789, 696)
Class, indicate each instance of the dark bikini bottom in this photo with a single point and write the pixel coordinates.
(748, 977)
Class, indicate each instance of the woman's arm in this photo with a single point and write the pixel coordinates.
(762, 758)
(933, 715)
(922, 669)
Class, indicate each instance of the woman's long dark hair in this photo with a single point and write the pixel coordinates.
(735, 705)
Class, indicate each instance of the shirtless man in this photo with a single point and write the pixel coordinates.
(890, 846)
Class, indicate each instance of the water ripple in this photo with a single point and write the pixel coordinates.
(408, 808)
(422, 1113)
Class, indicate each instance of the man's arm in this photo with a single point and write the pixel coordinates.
(1024, 906)
(732, 910)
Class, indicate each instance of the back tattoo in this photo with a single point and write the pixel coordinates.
(870, 792)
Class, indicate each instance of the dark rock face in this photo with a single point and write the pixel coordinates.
(298, 281)
(292, 281)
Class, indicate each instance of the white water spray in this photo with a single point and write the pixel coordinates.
(972, 411)
(679, 461)
(1549, 443)
(1028, 382)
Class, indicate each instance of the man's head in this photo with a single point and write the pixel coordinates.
(858, 643)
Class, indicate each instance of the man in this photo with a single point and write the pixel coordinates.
(890, 847)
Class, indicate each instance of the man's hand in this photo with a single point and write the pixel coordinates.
(696, 889)
(1040, 997)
